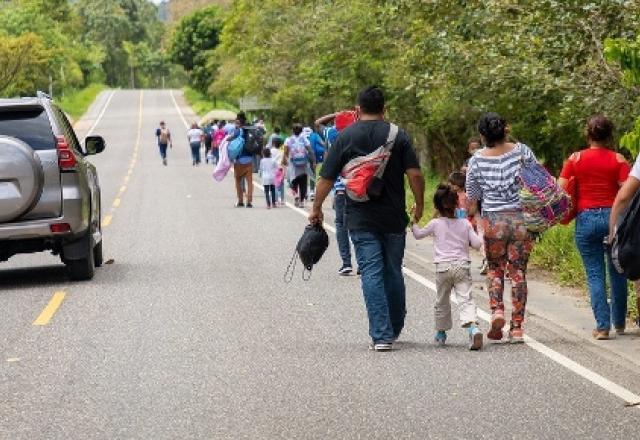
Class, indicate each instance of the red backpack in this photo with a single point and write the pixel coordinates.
(362, 176)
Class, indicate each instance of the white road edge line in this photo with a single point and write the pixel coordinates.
(184, 121)
(593, 377)
(101, 114)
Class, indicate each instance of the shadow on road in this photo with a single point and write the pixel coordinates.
(25, 278)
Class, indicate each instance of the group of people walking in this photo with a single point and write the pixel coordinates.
(479, 207)
(487, 191)
(208, 136)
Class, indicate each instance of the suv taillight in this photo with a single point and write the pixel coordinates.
(66, 158)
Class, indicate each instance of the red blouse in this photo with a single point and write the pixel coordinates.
(598, 173)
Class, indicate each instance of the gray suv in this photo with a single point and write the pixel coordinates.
(49, 193)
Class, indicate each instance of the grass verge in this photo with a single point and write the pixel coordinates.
(202, 104)
(76, 102)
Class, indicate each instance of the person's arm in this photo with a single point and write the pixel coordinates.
(285, 156)
(568, 171)
(420, 233)
(626, 193)
(323, 189)
(324, 120)
(473, 188)
(472, 206)
(416, 183)
(312, 155)
(474, 239)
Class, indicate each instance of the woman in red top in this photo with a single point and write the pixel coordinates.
(598, 172)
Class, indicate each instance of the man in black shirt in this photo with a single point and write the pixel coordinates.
(377, 227)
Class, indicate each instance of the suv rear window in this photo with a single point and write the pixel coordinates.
(30, 125)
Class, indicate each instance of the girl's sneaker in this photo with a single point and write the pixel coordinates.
(497, 323)
(441, 338)
(475, 338)
(516, 335)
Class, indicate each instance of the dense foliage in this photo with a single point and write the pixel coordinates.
(442, 62)
(69, 44)
(194, 38)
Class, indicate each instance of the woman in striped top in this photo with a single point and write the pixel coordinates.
(492, 178)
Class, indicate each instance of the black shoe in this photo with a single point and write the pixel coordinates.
(239, 205)
(345, 270)
(249, 205)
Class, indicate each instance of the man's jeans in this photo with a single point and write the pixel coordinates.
(380, 258)
(592, 225)
(163, 150)
(195, 151)
(342, 234)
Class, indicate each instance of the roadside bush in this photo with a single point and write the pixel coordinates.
(556, 251)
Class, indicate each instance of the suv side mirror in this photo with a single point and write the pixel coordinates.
(94, 145)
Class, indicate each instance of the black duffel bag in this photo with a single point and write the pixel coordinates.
(310, 249)
(625, 248)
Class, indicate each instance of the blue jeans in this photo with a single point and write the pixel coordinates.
(195, 151)
(380, 258)
(592, 225)
(163, 150)
(342, 234)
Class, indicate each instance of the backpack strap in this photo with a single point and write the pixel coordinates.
(388, 146)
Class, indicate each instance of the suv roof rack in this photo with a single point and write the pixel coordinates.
(43, 95)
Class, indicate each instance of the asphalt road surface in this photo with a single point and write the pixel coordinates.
(191, 332)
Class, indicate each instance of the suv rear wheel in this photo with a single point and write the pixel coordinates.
(97, 255)
(84, 268)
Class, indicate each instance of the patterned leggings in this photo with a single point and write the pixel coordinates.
(508, 244)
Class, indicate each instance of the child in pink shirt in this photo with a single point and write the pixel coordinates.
(452, 238)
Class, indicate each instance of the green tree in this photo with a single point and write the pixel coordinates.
(192, 43)
(21, 64)
(108, 24)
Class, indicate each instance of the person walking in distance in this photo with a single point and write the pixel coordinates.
(330, 134)
(492, 178)
(298, 155)
(453, 236)
(378, 226)
(195, 137)
(243, 167)
(208, 138)
(268, 168)
(599, 172)
(164, 140)
(219, 134)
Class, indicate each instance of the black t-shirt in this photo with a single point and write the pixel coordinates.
(388, 213)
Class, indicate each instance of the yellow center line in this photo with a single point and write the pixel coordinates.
(106, 221)
(50, 309)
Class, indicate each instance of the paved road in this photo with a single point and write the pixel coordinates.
(192, 333)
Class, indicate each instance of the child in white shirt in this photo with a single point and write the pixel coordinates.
(268, 168)
(451, 255)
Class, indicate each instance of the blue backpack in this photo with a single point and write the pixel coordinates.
(236, 146)
(316, 144)
(330, 136)
(298, 152)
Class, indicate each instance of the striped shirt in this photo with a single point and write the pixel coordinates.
(493, 179)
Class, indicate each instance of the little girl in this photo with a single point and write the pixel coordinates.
(458, 182)
(268, 168)
(451, 255)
